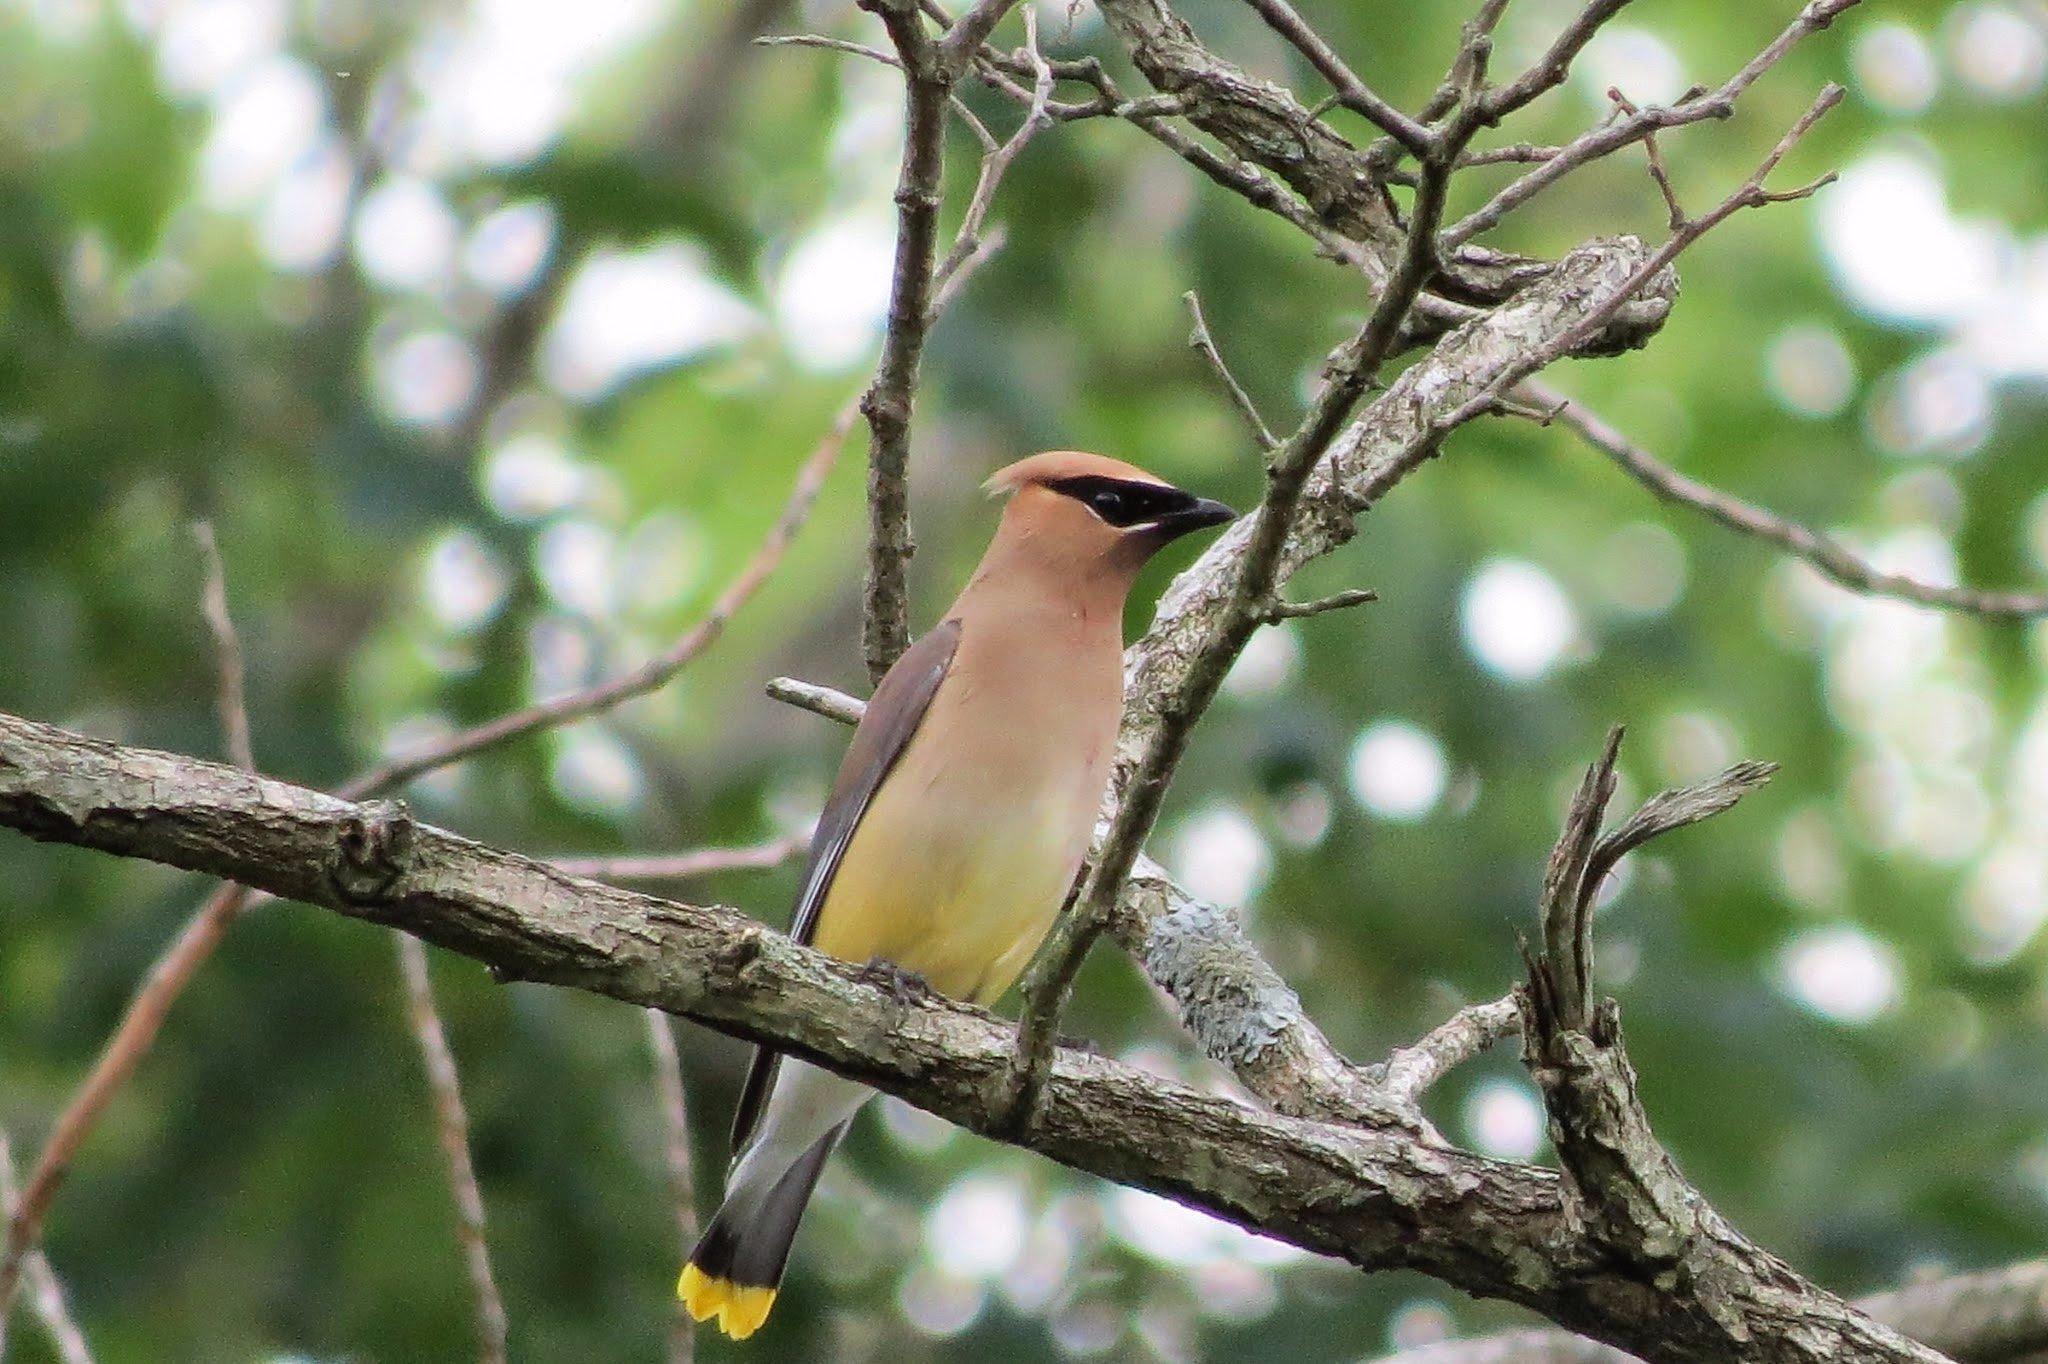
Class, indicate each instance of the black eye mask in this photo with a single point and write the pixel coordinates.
(1122, 502)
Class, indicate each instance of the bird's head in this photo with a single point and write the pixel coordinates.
(1090, 509)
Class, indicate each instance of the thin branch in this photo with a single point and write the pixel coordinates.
(1412, 1070)
(649, 676)
(45, 1290)
(1552, 69)
(230, 675)
(996, 163)
(168, 975)
(1750, 194)
(685, 865)
(1352, 92)
(1204, 344)
(1824, 554)
(1280, 609)
(451, 1126)
(1611, 137)
(675, 1146)
(1660, 174)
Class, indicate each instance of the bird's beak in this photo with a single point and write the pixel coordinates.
(1205, 513)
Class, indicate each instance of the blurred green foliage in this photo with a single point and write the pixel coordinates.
(1834, 994)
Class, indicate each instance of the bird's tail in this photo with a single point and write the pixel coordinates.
(737, 1265)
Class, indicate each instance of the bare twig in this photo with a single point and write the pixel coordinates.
(1204, 344)
(1551, 70)
(451, 1126)
(1351, 92)
(168, 974)
(648, 676)
(1610, 137)
(1824, 554)
(1413, 1069)
(1280, 609)
(996, 163)
(1750, 194)
(45, 1290)
(1659, 172)
(675, 1123)
(682, 866)
(233, 705)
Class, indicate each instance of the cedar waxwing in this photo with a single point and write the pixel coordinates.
(960, 817)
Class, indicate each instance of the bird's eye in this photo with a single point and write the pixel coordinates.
(1108, 504)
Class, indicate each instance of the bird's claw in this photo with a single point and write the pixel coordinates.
(905, 986)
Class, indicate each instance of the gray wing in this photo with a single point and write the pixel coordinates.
(892, 718)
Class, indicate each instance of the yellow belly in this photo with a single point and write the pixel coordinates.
(961, 901)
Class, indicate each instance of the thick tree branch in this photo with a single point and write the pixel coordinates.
(1997, 1316)
(1373, 1195)
(1622, 1190)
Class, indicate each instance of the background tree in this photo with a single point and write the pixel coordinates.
(491, 344)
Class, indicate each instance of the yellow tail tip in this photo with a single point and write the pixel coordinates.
(740, 1309)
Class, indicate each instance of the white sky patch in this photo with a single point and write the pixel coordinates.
(1840, 972)
(461, 581)
(532, 476)
(939, 1304)
(506, 250)
(977, 1228)
(1635, 61)
(2005, 903)
(1172, 1234)
(1419, 1323)
(1941, 404)
(270, 116)
(1397, 770)
(202, 44)
(593, 771)
(1695, 744)
(300, 225)
(500, 89)
(405, 234)
(1643, 568)
(1810, 370)
(427, 377)
(1896, 249)
(629, 311)
(575, 560)
(1503, 1119)
(833, 291)
(1517, 621)
(1269, 662)
(2000, 52)
(1895, 68)
(1220, 855)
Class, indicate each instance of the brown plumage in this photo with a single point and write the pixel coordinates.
(960, 817)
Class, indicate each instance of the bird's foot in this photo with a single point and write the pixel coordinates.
(905, 986)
